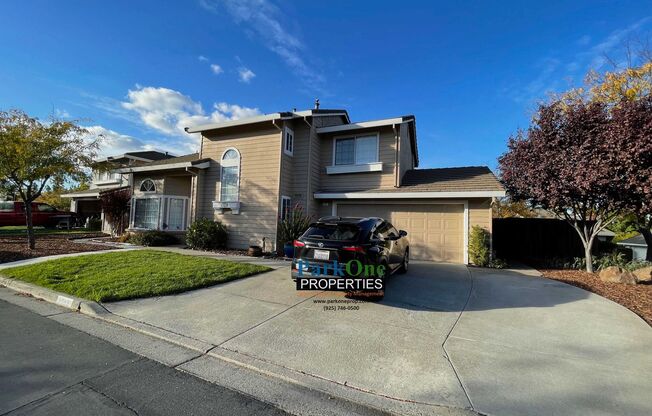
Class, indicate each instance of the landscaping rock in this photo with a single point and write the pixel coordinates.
(643, 275)
(615, 274)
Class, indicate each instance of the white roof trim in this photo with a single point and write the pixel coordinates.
(259, 119)
(407, 195)
(84, 195)
(362, 125)
(250, 120)
(168, 166)
(622, 243)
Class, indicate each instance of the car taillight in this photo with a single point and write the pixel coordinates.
(298, 243)
(356, 249)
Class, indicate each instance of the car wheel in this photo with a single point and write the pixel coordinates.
(406, 262)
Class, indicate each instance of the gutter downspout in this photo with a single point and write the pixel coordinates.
(309, 173)
(398, 144)
(278, 190)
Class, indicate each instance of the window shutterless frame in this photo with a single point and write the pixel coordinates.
(354, 137)
(286, 202)
(288, 141)
(232, 162)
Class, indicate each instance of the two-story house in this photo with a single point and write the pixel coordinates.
(86, 203)
(249, 173)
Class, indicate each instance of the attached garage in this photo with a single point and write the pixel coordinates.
(435, 230)
(437, 207)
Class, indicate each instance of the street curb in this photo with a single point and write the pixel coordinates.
(52, 296)
(97, 310)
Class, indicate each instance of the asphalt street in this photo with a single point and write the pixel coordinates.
(47, 368)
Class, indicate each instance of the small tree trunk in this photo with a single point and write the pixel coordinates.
(589, 258)
(647, 235)
(31, 241)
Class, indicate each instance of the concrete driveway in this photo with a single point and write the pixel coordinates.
(498, 342)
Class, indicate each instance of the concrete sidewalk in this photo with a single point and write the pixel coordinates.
(497, 342)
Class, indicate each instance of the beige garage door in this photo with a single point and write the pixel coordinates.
(435, 231)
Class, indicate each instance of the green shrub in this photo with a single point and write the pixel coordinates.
(153, 239)
(294, 224)
(637, 264)
(205, 234)
(479, 252)
(615, 258)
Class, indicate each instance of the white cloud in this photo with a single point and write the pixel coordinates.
(246, 75)
(169, 111)
(202, 58)
(61, 113)
(264, 19)
(216, 69)
(112, 143)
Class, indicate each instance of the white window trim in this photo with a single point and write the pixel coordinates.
(355, 167)
(285, 141)
(367, 167)
(230, 163)
(140, 186)
(164, 211)
(285, 198)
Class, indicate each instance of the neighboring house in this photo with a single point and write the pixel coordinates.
(249, 174)
(638, 246)
(86, 203)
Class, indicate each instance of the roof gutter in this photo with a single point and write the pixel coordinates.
(408, 195)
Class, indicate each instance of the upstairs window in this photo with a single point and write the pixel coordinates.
(148, 185)
(230, 176)
(289, 142)
(358, 150)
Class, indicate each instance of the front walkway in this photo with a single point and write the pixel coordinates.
(501, 342)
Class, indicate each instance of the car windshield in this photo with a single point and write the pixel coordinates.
(336, 232)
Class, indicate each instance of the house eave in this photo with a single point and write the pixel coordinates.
(409, 195)
(170, 166)
(364, 125)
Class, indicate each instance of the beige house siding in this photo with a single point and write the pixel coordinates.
(260, 151)
(406, 161)
(480, 213)
(166, 183)
(361, 181)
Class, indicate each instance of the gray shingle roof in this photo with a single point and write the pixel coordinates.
(637, 239)
(150, 154)
(468, 178)
(193, 157)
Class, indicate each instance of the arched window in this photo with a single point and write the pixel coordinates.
(148, 185)
(230, 176)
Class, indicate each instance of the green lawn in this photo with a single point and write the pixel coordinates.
(22, 230)
(131, 274)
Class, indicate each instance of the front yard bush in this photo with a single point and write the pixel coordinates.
(205, 234)
(153, 239)
(479, 252)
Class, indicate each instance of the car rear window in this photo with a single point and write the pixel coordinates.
(335, 232)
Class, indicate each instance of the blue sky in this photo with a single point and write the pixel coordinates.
(471, 72)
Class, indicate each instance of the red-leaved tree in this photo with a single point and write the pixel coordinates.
(582, 161)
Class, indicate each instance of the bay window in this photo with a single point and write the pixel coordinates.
(160, 212)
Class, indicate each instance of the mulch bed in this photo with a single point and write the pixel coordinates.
(13, 248)
(636, 298)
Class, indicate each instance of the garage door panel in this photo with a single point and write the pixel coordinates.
(435, 231)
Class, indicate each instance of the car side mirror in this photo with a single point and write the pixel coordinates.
(402, 233)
